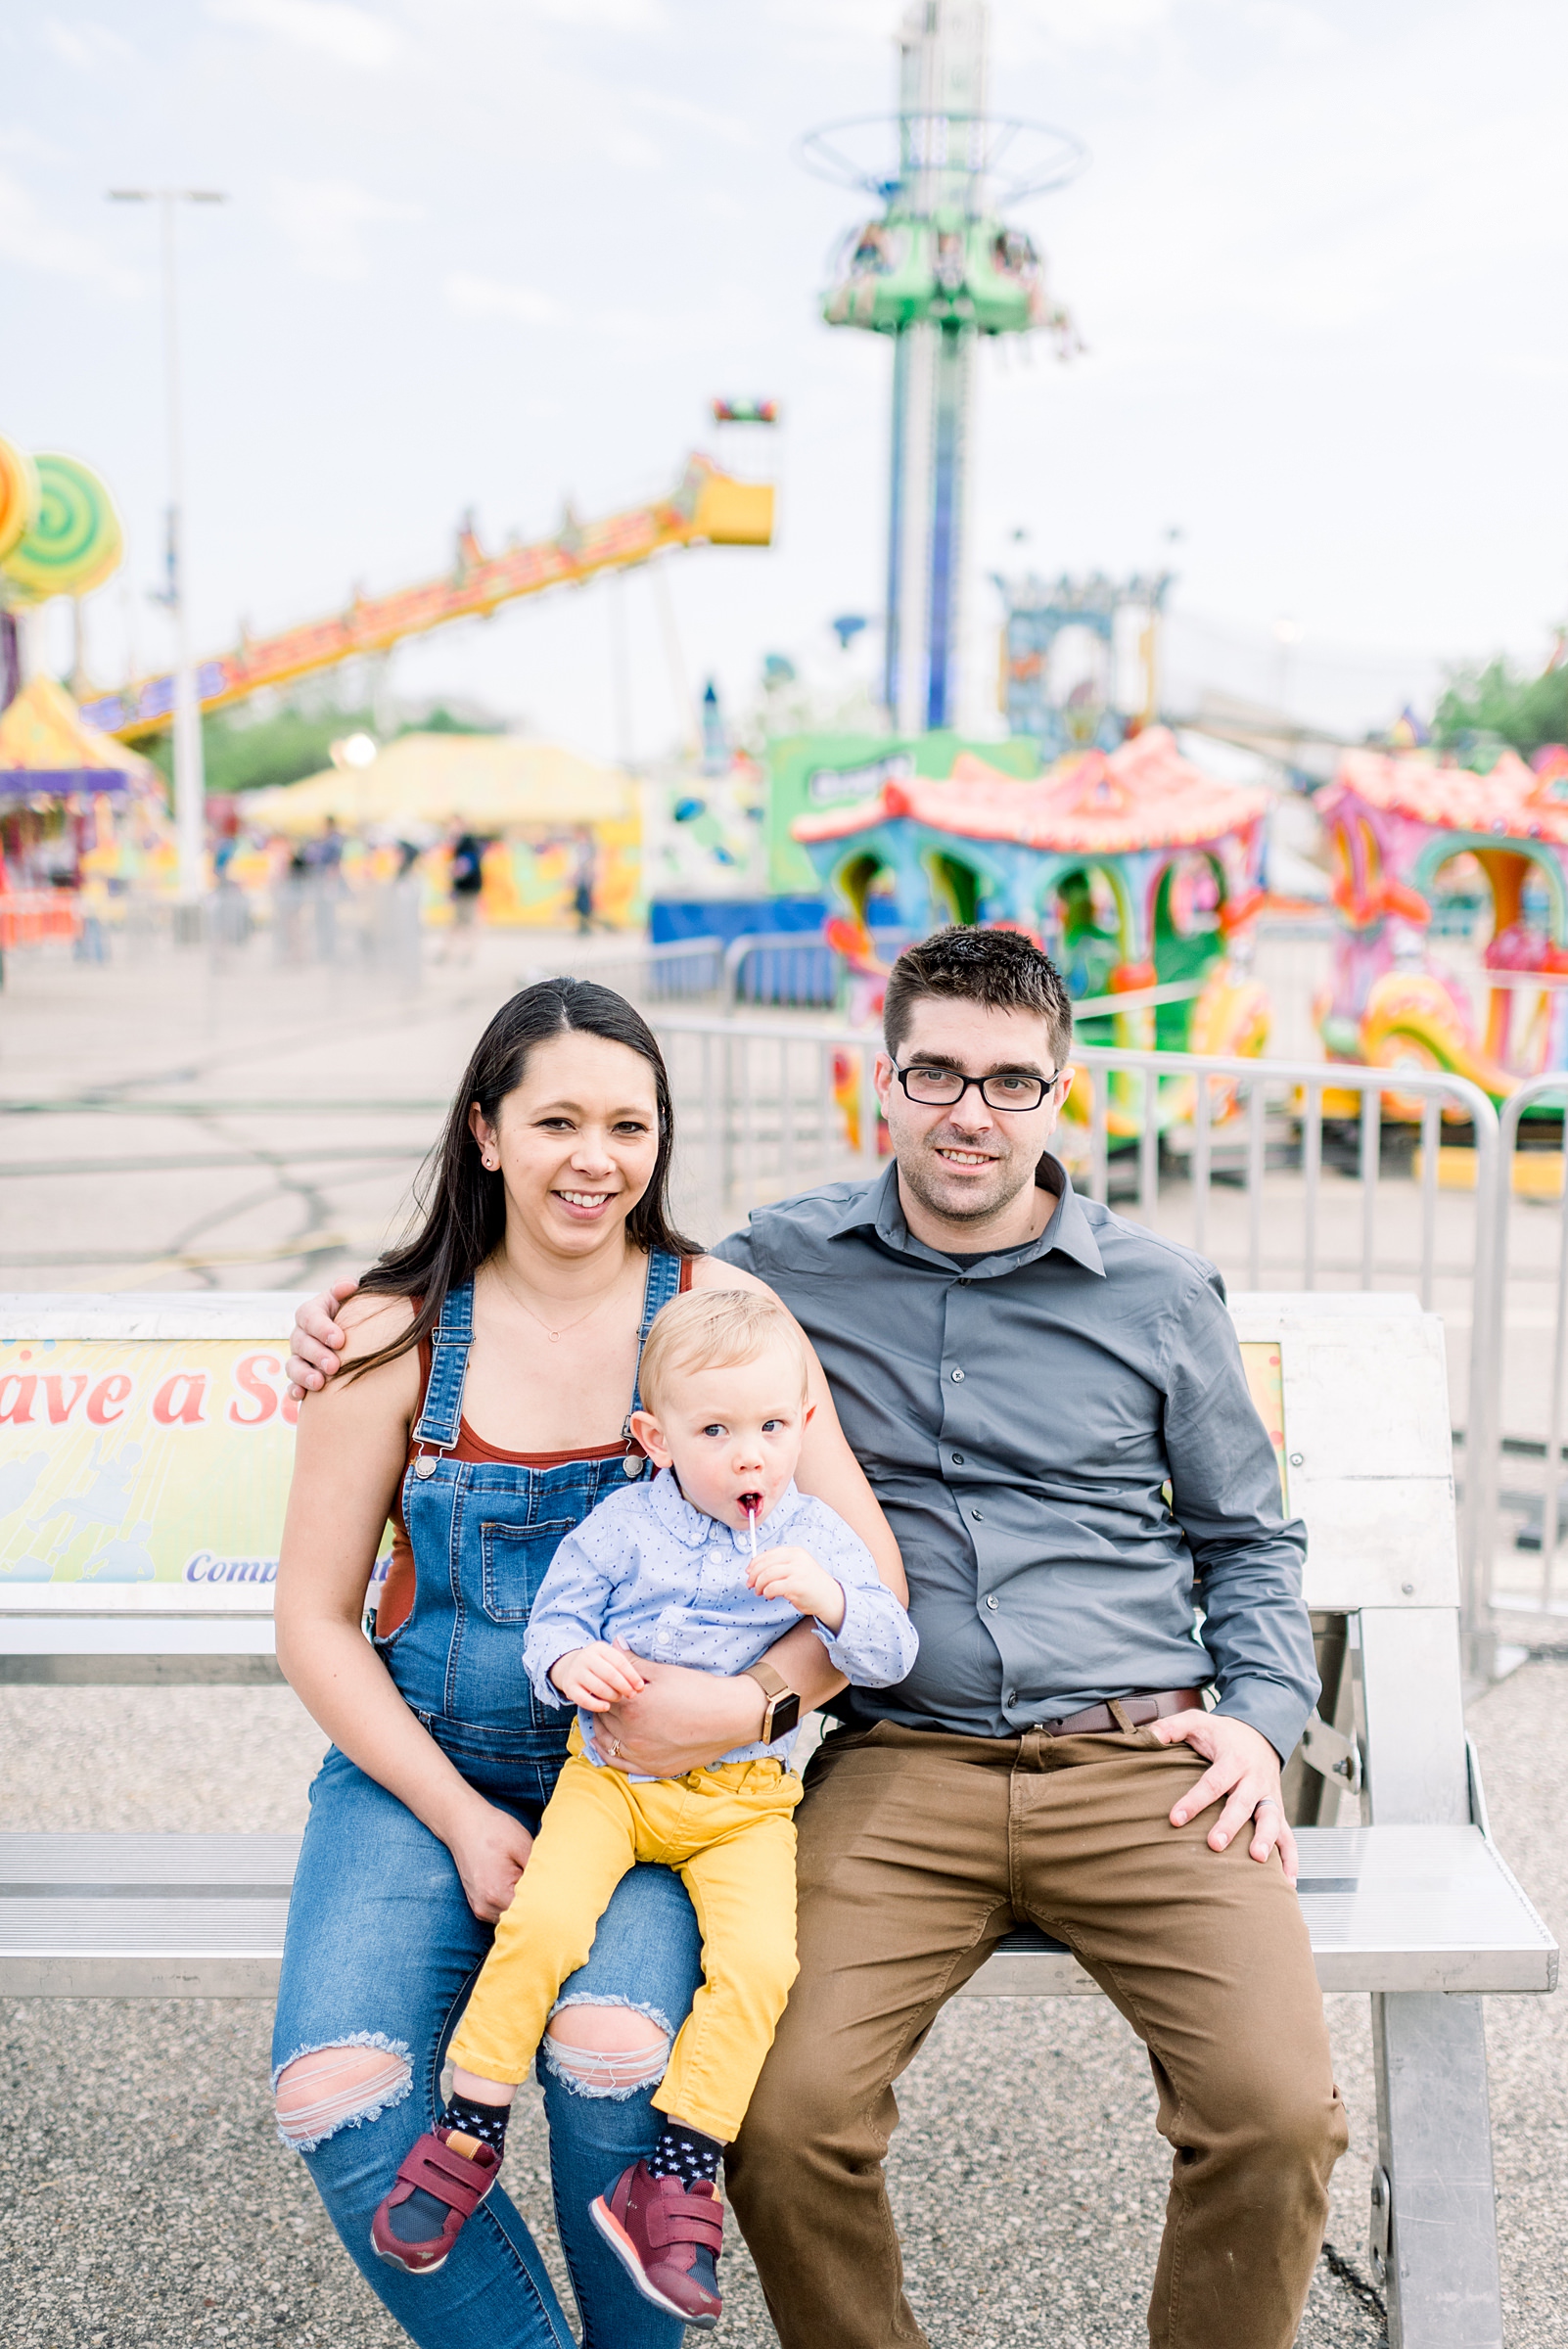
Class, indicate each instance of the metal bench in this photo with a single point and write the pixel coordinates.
(1414, 1906)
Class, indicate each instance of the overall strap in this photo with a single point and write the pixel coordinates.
(450, 1339)
(664, 1282)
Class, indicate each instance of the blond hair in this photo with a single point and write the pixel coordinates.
(714, 1328)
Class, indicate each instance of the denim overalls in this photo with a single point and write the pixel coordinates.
(482, 1534)
(382, 1946)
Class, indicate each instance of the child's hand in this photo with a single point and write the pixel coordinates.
(598, 1676)
(793, 1574)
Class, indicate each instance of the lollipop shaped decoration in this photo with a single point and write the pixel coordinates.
(73, 541)
(19, 495)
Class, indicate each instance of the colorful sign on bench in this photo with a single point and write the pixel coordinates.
(143, 1463)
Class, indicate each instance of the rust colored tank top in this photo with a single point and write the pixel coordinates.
(397, 1597)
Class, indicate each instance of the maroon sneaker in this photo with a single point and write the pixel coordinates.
(666, 2237)
(442, 2180)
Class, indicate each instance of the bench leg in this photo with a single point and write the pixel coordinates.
(1436, 2222)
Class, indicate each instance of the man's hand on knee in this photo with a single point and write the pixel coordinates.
(1243, 1773)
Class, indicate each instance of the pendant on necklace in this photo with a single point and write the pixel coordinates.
(554, 1334)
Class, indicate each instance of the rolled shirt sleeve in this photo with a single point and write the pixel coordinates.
(876, 1643)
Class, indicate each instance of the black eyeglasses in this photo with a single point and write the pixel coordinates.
(944, 1088)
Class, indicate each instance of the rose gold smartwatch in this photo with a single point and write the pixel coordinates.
(783, 1710)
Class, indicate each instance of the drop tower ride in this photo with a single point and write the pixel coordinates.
(938, 267)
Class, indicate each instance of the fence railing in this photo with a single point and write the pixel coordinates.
(683, 970)
(782, 966)
(1288, 1174)
(1531, 1255)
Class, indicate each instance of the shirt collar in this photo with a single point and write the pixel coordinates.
(875, 1206)
(693, 1526)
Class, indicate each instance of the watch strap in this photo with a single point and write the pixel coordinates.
(779, 1694)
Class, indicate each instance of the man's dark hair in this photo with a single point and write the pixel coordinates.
(1000, 968)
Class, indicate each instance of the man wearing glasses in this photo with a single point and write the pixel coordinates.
(1050, 1405)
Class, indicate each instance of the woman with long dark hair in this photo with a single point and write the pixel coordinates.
(491, 1370)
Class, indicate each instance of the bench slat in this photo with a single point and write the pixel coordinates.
(1392, 1907)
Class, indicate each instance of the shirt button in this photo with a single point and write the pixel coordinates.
(978, 1518)
(1011, 1698)
(993, 1603)
(958, 1378)
(957, 1460)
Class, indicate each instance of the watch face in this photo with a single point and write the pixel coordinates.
(784, 1717)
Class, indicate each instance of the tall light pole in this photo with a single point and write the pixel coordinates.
(190, 782)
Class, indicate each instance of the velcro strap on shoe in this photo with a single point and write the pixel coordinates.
(693, 2218)
(461, 2185)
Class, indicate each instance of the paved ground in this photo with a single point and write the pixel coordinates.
(1028, 2179)
(180, 1120)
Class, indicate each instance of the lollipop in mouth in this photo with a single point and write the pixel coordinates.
(751, 1503)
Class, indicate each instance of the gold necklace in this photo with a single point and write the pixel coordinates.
(566, 1327)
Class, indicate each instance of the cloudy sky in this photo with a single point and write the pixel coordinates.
(501, 253)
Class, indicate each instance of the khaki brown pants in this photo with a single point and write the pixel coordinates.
(917, 1852)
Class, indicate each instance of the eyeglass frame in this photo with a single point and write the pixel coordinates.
(1012, 1108)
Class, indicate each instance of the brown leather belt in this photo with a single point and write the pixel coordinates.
(1136, 1711)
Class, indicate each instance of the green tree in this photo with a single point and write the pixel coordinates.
(1484, 709)
(241, 755)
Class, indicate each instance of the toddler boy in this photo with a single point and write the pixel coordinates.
(667, 1570)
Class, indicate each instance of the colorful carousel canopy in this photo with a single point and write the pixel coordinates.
(489, 782)
(1512, 801)
(1143, 795)
(47, 749)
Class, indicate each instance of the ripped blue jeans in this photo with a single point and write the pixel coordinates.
(382, 1951)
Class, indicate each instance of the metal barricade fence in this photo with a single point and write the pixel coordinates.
(684, 970)
(1530, 1315)
(782, 966)
(1287, 1175)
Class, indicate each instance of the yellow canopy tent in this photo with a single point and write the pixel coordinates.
(47, 749)
(486, 782)
(534, 800)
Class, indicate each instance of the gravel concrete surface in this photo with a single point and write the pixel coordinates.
(147, 2201)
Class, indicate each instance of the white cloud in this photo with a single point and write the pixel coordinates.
(619, 16)
(487, 298)
(1091, 23)
(334, 28)
(85, 46)
(27, 235)
(324, 218)
(728, 128)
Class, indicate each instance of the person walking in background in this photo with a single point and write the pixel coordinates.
(585, 876)
(466, 881)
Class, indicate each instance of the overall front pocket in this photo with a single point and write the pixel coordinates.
(514, 1560)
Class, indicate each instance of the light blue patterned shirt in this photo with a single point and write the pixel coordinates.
(648, 1568)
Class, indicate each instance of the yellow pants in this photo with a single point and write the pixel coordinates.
(728, 1832)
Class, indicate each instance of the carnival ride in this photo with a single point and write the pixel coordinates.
(1140, 875)
(1397, 828)
(938, 269)
(706, 508)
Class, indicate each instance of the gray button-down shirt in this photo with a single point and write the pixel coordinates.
(1019, 1416)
